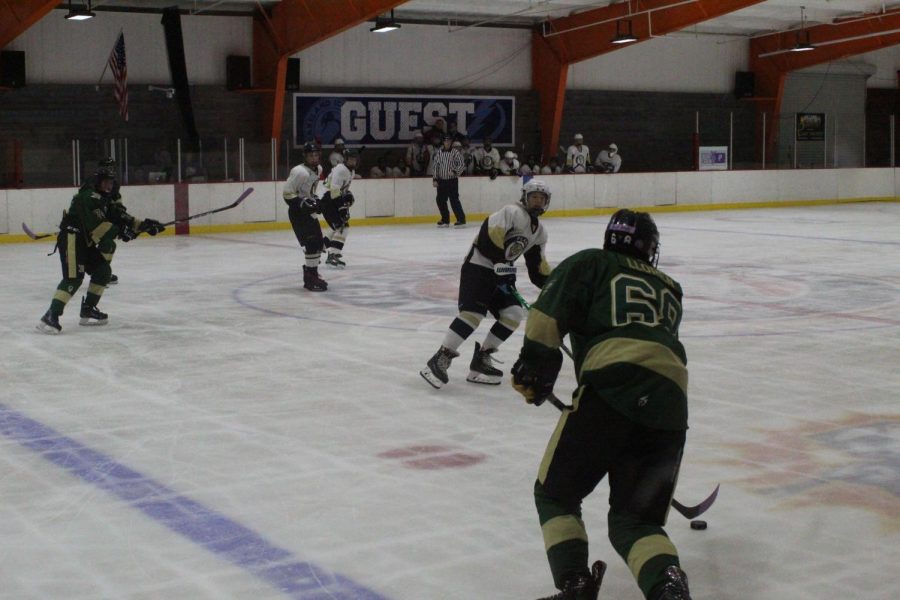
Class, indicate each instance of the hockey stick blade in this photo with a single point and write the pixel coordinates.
(240, 199)
(692, 512)
(33, 235)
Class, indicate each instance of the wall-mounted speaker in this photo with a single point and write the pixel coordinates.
(292, 80)
(237, 72)
(744, 84)
(12, 68)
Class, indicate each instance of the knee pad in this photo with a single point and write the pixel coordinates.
(511, 316)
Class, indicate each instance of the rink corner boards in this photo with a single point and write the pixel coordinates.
(475, 218)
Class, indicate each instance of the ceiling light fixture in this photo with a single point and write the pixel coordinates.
(80, 12)
(803, 44)
(624, 35)
(385, 24)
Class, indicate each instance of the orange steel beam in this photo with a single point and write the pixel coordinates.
(16, 16)
(561, 42)
(293, 26)
(832, 41)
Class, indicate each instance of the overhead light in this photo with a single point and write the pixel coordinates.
(385, 24)
(624, 32)
(80, 12)
(803, 44)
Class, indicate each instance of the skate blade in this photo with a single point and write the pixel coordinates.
(92, 322)
(476, 377)
(433, 381)
(334, 266)
(44, 328)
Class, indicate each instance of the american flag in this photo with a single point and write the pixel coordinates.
(119, 70)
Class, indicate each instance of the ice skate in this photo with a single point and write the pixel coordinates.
(675, 587)
(436, 373)
(443, 224)
(482, 370)
(312, 281)
(91, 316)
(334, 260)
(113, 279)
(49, 324)
(582, 587)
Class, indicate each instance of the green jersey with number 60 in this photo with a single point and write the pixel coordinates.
(622, 316)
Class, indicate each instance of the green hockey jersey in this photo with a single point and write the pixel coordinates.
(622, 316)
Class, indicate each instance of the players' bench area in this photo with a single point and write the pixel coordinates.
(392, 201)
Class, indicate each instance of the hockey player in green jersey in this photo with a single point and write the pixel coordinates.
(629, 413)
(86, 244)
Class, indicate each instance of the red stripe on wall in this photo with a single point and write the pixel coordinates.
(182, 208)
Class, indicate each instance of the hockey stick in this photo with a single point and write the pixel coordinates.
(692, 512)
(33, 235)
(688, 512)
(240, 199)
(247, 192)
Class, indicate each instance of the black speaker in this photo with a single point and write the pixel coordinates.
(12, 68)
(744, 84)
(237, 72)
(292, 80)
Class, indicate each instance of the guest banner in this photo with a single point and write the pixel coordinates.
(391, 120)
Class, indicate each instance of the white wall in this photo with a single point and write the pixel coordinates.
(41, 209)
(674, 63)
(423, 56)
(886, 63)
(62, 51)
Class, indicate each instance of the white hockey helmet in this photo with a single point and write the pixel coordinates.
(535, 186)
(510, 155)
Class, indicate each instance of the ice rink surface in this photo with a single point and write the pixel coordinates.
(230, 435)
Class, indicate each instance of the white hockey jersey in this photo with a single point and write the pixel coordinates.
(506, 235)
(577, 158)
(302, 182)
(486, 160)
(339, 180)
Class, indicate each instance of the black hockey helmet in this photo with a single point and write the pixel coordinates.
(106, 169)
(633, 233)
(351, 153)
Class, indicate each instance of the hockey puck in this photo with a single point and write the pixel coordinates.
(698, 525)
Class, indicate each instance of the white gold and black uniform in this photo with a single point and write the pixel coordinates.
(300, 195)
(336, 205)
(487, 284)
(578, 158)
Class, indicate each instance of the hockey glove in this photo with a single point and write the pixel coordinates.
(310, 204)
(347, 200)
(126, 233)
(506, 277)
(535, 381)
(152, 226)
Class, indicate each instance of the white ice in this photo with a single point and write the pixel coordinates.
(301, 418)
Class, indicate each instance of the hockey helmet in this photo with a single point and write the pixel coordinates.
(535, 186)
(351, 153)
(633, 233)
(106, 169)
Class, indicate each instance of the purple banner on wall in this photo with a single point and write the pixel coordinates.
(391, 120)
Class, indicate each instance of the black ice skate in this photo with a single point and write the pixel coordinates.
(49, 323)
(582, 587)
(436, 373)
(312, 281)
(90, 315)
(675, 586)
(482, 369)
(113, 279)
(334, 260)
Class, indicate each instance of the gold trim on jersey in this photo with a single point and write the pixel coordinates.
(498, 236)
(100, 230)
(650, 355)
(542, 328)
(646, 548)
(96, 288)
(562, 529)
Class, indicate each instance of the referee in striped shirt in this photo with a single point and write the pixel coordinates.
(447, 165)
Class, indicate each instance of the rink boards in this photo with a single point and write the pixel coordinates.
(391, 201)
